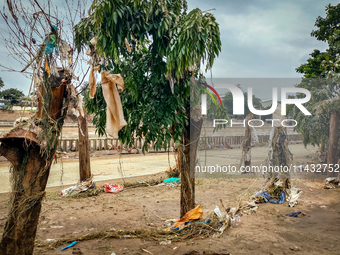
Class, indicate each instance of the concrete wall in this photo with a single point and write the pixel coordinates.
(19, 108)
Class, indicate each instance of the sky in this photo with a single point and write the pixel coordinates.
(260, 39)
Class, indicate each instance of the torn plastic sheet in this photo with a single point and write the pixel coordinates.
(331, 183)
(254, 137)
(293, 195)
(295, 214)
(270, 199)
(112, 85)
(92, 81)
(112, 188)
(78, 188)
(179, 224)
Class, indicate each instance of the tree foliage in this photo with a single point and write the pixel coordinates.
(327, 26)
(12, 94)
(313, 67)
(321, 78)
(168, 47)
(2, 84)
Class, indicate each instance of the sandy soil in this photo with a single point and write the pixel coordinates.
(6, 116)
(268, 231)
(106, 165)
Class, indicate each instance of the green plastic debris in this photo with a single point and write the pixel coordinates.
(172, 179)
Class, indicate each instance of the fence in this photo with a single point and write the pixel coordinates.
(212, 141)
(216, 141)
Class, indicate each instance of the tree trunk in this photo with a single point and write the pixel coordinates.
(246, 146)
(322, 149)
(323, 152)
(31, 149)
(332, 154)
(30, 172)
(186, 162)
(84, 150)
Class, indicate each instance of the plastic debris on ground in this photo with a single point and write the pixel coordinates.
(179, 224)
(62, 154)
(79, 187)
(268, 198)
(277, 191)
(218, 212)
(165, 242)
(224, 221)
(113, 188)
(292, 196)
(227, 218)
(169, 184)
(295, 214)
(331, 183)
(172, 179)
(218, 220)
(248, 207)
(172, 172)
(69, 246)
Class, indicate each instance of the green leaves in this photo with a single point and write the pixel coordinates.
(327, 25)
(11, 94)
(195, 38)
(97, 106)
(321, 78)
(164, 40)
(115, 18)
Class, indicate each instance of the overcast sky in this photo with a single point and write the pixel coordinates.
(260, 38)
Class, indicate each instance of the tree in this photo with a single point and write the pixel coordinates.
(84, 148)
(324, 105)
(327, 25)
(167, 47)
(36, 39)
(12, 94)
(2, 84)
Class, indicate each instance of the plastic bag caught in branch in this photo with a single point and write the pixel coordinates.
(75, 104)
(92, 81)
(112, 85)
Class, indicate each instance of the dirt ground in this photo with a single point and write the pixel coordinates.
(107, 165)
(268, 231)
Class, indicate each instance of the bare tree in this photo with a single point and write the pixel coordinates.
(40, 37)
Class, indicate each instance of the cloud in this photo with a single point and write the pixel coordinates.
(265, 38)
(260, 38)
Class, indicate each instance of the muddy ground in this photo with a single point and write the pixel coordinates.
(267, 231)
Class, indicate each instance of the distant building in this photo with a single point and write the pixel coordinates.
(266, 103)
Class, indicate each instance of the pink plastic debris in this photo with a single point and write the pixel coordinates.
(113, 188)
